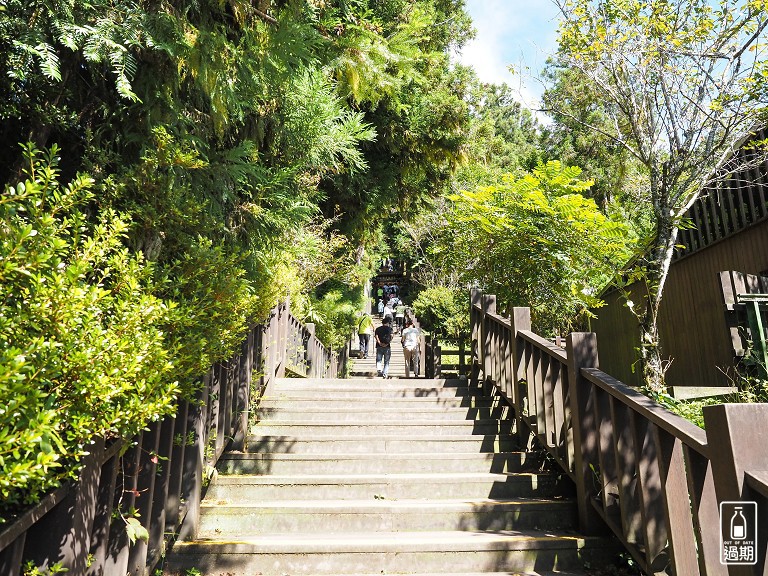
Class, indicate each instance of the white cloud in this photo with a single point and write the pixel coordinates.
(517, 33)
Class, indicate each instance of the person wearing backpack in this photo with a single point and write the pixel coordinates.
(364, 332)
(383, 337)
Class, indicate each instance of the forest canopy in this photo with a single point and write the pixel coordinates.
(172, 170)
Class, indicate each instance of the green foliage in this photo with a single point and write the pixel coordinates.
(334, 312)
(503, 136)
(31, 570)
(213, 303)
(443, 311)
(134, 529)
(391, 62)
(533, 241)
(215, 141)
(320, 134)
(82, 334)
(578, 136)
(750, 388)
(691, 410)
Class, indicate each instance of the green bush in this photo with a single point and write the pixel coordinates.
(335, 312)
(212, 305)
(443, 311)
(82, 349)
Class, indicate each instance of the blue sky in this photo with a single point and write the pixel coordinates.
(520, 33)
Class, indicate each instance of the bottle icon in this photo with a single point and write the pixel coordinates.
(738, 525)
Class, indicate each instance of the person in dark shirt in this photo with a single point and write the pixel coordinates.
(383, 336)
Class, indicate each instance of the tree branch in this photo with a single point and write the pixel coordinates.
(266, 17)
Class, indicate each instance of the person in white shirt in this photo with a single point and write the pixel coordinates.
(388, 311)
(410, 339)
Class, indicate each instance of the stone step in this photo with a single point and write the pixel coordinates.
(451, 552)
(267, 463)
(372, 392)
(516, 573)
(337, 516)
(367, 383)
(385, 476)
(407, 426)
(382, 444)
(409, 486)
(287, 411)
(307, 400)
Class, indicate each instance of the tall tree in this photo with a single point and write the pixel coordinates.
(391, 62)
(575, 106)
(211, 129)
(534, 240)
(503, 134)
(675, 77)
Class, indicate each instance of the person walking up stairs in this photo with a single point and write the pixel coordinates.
(383, 336)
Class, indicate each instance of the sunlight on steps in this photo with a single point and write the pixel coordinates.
(370, 476)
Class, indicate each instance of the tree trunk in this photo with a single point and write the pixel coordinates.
(654, 365)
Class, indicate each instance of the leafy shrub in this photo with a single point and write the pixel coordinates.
(335, 313)
(533, 241)
(212, 305)
(691, 410)
(81, 341)
(443, 311)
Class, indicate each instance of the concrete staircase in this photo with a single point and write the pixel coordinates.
(373, 476)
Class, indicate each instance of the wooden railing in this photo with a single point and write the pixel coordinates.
(156, 480)
(651, 477)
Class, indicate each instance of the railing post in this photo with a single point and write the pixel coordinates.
(313, 354)
(173, 503)
(242, 400)
(737, 445)
(283, 329)
(194, 461)
(100, 532)
(146, 476)
(12, 556)
(582, 353)
(126, 488)
(476, 331)
(422, 350)
(64, 533)
(520, 320)
(157, 525)
(488, 305)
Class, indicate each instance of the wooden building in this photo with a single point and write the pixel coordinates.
(730, 233)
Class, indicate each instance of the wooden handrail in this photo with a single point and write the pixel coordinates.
(164, 467)
(556, 352)
(651, 477)
(678, 426)
(758, 481)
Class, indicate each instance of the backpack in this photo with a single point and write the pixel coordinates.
(386, 337)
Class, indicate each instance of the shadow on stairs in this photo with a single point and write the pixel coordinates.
(373, 476)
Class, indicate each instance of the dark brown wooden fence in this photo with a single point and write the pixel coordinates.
(649, 476)
(729, 207)
(162, 472)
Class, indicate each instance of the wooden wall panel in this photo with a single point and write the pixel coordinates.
(693, 330)
(618, 338)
